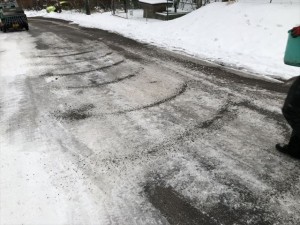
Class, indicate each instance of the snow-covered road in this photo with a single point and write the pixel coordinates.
(96, 129)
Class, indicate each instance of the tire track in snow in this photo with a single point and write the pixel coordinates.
(91, 59)
(104, 83)
(65, 55)
(178, 92)
(83, 72)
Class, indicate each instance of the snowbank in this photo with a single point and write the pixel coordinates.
(248, 35)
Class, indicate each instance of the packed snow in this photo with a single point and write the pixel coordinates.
(246, 35)
(41, 185)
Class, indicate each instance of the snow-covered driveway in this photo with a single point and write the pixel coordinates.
(98, 129)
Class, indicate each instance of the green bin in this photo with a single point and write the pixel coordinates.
(292, 51)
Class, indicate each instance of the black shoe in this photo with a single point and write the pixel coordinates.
(286, 150)
(282, 148)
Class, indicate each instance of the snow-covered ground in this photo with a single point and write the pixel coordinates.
(248, 35)
(93, 171)
(58, 171)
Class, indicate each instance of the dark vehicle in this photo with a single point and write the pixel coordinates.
(12, 18)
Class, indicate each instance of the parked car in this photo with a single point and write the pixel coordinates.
(12, 18)
(58, 6)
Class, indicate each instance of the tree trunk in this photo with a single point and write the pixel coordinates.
(199, 4)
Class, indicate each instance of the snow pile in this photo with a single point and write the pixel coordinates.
(247, 35)
(154, 1)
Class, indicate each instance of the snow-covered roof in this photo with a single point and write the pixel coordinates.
(153, 2)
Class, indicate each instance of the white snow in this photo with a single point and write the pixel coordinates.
(247, 35)
(153, 2)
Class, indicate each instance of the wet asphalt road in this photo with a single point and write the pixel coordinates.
(156, 137)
